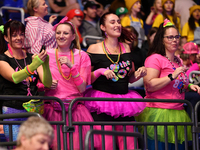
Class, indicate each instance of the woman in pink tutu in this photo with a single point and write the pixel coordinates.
(71, 73)
(112, 70)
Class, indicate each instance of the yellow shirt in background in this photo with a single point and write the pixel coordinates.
(127, 22)
(187, 32)
(159, 19)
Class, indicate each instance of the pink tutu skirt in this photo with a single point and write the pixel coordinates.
(79, 114)
(112, 108)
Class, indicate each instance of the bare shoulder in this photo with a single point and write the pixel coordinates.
(95, 48)
(127, 48)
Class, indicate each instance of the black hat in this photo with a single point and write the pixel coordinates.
(90, 4)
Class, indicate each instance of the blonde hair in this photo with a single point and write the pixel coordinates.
(32, 4)
(32, 126)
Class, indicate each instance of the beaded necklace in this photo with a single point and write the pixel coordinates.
(104, 49)
(59, 66)
(184, 81)
(28, 83)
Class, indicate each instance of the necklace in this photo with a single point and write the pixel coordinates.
(28, 83)
(59, 66)
(104, 49)
(183, 81)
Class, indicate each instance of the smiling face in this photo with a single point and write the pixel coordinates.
(171, 45)
(36, 142)
(112, 25)
(64, 35)
(16, 40)
(41, 10)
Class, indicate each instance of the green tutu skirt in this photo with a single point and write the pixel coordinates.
(165, 115)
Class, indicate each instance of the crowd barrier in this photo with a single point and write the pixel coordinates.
(136, 124)
(69, 129)
(114, 134)
(22, 115)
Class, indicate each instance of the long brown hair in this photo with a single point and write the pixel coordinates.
(173, 14)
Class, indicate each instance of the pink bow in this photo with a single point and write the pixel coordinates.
(61, 21)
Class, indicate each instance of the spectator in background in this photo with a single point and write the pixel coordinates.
(150, 37)
(155, 10)
(191, 30)
(34, 134)
(61, 7)
(76, 16)
(38, 31)
(90, 25)
(133, 19)
(169, 13)
(182, 7)
(121, 12)
(137, 55)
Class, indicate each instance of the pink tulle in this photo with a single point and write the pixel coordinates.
(79, 114)
(113, 108)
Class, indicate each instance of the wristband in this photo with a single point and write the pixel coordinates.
(76, 76)
(170, 76)
(99, 72)
(189, 86)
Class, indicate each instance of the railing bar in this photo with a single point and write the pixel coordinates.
(114, 138)
(103, 138)
(58, 137)
(186, 139)
(92, 139)
(166, 138)
(80, 136)
(135, 139)
(145, 136)
(156, 137)
(124, 137)
(176, 137)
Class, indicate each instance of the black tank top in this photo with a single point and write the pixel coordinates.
(10, 88)
(121, 69)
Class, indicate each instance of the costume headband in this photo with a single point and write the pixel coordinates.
(2, 29)
(167, 23)
(63, 21)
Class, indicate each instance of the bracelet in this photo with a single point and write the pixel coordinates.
(189, 86)
(76, 75)
(27, 67)
(27, 71)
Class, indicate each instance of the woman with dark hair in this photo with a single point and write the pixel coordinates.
(20, 71)
(168, 13)
(191, 30)
(166, 79)
(112, 70)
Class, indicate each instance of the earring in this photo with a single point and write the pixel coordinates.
(106, 35)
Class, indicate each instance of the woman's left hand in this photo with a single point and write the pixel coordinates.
(141, 72)
(195, 88)
(66, 61)
(52, 18)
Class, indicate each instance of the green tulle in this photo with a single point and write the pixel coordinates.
(165, 115)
